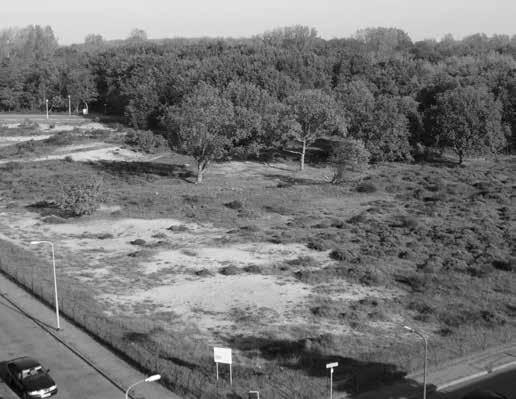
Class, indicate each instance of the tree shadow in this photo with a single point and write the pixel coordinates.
(121, 168)
(353, 376)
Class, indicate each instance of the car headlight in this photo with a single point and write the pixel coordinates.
(37, 393)
(51, 388)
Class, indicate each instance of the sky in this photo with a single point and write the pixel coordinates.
(72, 20)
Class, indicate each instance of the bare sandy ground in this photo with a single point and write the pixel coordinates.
(165, 279)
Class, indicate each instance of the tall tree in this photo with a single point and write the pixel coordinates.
(469, 121)
(314, 115)
(205, 122)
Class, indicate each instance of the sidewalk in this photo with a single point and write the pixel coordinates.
(116, 370)
(450, 373)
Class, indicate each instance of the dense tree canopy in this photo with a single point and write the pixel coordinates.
(388, 90)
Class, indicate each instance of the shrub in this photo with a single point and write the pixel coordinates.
(409, 222)
(79, 198)
(507, 266)
(26, 146)
(366, 187)
(349, 154)
(146, 141)
(343, 255)
(230, 270)
(61, 138)
(235, 204)
(318, 244)
(28, 124)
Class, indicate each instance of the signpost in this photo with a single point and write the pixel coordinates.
(223, 355)
(331, 366)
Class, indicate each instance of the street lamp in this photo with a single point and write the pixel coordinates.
(426, 355)
(152, 378)
(55, 280)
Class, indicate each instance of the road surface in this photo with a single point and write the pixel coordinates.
(503, 382)
(21, 336)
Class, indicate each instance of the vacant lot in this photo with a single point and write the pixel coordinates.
(285, 268)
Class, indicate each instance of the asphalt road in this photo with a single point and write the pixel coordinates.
(504, 383)
(21, 336)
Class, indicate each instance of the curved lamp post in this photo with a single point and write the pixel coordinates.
(426, 355)
(152, 378)
(55, 279)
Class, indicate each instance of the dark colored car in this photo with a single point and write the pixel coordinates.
(484, 395)
(30, 379)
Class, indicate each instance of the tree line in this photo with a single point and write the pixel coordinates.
(281, 90)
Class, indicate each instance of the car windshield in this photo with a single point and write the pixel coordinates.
(32, 371)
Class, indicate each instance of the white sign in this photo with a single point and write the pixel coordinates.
(222, 355)
(332, 365)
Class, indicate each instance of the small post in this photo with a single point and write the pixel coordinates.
(46, 106)
(230, 375)
(217, 366)
(331, 366)
(331, 383)
(69, 105)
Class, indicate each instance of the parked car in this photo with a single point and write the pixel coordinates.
(484, 395)
(30, 379)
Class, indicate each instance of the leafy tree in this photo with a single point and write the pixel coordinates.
(137, 35)
(380, 122)
(469, 122)
(205, 122)
(298, 37)
(80, 85)
(314, 115)
(348, 154)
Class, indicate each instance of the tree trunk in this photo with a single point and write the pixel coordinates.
(201, 168)
(303, 152)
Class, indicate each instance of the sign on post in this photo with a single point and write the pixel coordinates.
(223, 355)
(331, 366)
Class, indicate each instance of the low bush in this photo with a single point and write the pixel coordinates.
(366, 188)
(235, 204)
(507, 266)
(318, 244)
(301, 261)
(61, 138)
(28, 124)
(146, 141)
(230, 270)
(348, 155)
(79, 198)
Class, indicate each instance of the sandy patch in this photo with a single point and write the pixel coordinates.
(212, 300)
(82, 126)
(241, 255)
(8, 140)
(100, 154)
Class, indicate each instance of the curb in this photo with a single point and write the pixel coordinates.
(476, 375)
